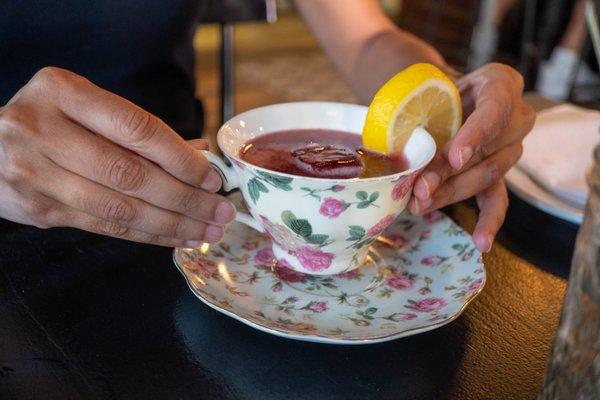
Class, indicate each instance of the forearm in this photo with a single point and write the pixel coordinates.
(382, 56)
(362, 42)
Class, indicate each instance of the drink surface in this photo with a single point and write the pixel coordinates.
(319, 153)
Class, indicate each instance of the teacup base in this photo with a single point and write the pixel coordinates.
(314, 261)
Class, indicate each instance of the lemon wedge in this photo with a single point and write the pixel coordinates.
(420, 95)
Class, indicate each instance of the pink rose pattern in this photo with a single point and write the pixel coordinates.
(286, 274)
(381, 225)
(403, 186)
(206, 268)
(249, 246)
(264, 256)
(429, 304)
(395, 241)
(401, 282)
(475, 285)
(354, 274)
(432, 261)
(399, 317)
(433, 216)
(317, 306)
(316, 260)
(313, 259)
(331, 207)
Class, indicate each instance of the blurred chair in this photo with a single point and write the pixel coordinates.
(484, 39)
(227, 13)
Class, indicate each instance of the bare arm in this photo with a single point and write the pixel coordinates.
(368, 49)
(365, 46)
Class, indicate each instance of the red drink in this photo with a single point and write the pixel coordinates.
(319, 153)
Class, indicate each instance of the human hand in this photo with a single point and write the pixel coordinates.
(489, 143)
(73, 154)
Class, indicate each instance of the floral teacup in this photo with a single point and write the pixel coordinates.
(317, 226)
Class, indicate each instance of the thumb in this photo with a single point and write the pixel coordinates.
(198, 144)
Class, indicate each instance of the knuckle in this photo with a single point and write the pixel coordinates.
(50, 78)
(192, 159)
(173, 228)
(127, 173)
(16, 171)
(154, 239)
(36, 209)
(110, 228)
(493, 174)
(137, 125)
(188, 200)
(13, 119)
(49, 73)
(118, 210)
(450, 192)
(503, 113)
(485, 149)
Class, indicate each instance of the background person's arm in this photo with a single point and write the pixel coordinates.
(365, 46)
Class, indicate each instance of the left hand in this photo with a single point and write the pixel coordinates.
(489, 143)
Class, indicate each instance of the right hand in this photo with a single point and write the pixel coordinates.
(73, 154)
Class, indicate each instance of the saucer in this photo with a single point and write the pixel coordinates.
(421, 274)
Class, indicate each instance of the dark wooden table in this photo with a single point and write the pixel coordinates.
(88, 317)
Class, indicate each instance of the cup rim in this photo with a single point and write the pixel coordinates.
(311, 178)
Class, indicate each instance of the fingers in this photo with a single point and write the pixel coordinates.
(99, 160)
(493, 203)
(436, 173)
(128, 213)
(100, 226)
(496, 92)
(498, 121)
(483, 175)
(129, 126)
(198, 144)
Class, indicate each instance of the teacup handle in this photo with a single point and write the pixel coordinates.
(230, 182)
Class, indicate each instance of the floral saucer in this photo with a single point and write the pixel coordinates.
(421, 274)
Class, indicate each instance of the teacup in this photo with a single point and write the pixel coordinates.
(318, 226)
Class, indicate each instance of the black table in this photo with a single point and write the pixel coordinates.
(83, 316)
(89, 317)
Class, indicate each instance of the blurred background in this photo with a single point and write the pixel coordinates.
(275, 58)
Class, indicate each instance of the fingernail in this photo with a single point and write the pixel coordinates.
(212, 181)
(431, 180)
(422, 205)
(224, 213)
(490, 242)
(421, 189)
(486, 244)
(193, 244)
(464, 155)
(413, 206)
(213, 234)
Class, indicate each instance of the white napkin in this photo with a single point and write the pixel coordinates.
(558, 152)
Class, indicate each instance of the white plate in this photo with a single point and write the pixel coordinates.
(525, 188)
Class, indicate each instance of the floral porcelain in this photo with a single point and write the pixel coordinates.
(420, 274)
(317, 226)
